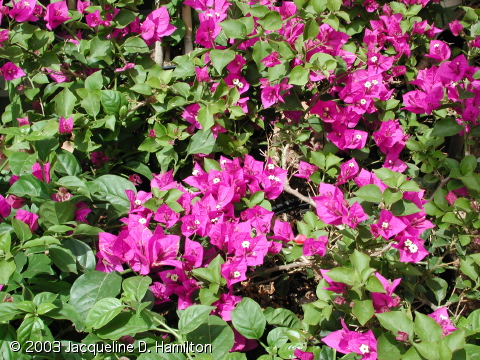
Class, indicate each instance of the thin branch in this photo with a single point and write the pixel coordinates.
(440, 186)
(287, 186)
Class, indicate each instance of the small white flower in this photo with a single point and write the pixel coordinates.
(364, 349)
(374, 82)
(368, 84)
(236, 81)
(216, 180)
(237, 274)
(270, 166)
(195, 172)
(142, 221)
(223, 161)
(363, 101)
(443, 317)
(436, 45)
(174, 277)
(408, 243)
(246, 244)
(413, 248)
(385, 225)
(374, 59)
(214, 220)
(138, 202)
(358, 136)
(351, 165)
(196, 222)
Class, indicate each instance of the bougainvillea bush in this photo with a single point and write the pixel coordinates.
(320, 145)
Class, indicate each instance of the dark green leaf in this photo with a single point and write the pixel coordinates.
(193, 317)
(91, 287)
(248, 319)
(102, 312)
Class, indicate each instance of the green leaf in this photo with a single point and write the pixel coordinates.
(343, 275)
(202, 142)
(428, 350)
(22, 230)
(363, 310)
(216, 332)
(33, 329)
(396, 321)
(426, 328)
(446, 127)
(56, 213)
(103, 312)
(64, 103)
(271, 21)
(94, 81)
(63, 259)
(91, 287)
(468, 164)
(135, 45)
(125, 323)
(83, 253)
(282, 317)
(221, 58)
(248, 319)
(388, 347)
(404, 207)
(7, 268)
(193, 317)
(234, 29)
(29, 186)
(455, 340)
(360, 261)
(21, 162)
(112, 101)
(67, 163)
(311, 29)
(137, 286)
(111, 188)
(91, 103)
(439, 288)
(298, 76)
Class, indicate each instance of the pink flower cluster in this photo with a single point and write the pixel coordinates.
(208, 212)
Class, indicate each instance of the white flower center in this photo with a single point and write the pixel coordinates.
(195, 172)
(351, 165)
(436, 45)
(358, 136)
(364, 349)
(413, 248)
(237, 274)
(385, 225)
(216, 180)
(270, 166)
(174, 277)
(374, 82)
(246, 244)
(142, 221)
(196, 222)
(363, 101)
(443, 317)
(408, 242)
(374, 59)
(138, 202)
(368, 84)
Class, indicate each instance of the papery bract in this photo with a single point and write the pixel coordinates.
(57, 14)
(11, 72)
(441, 317)
(28, 218)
